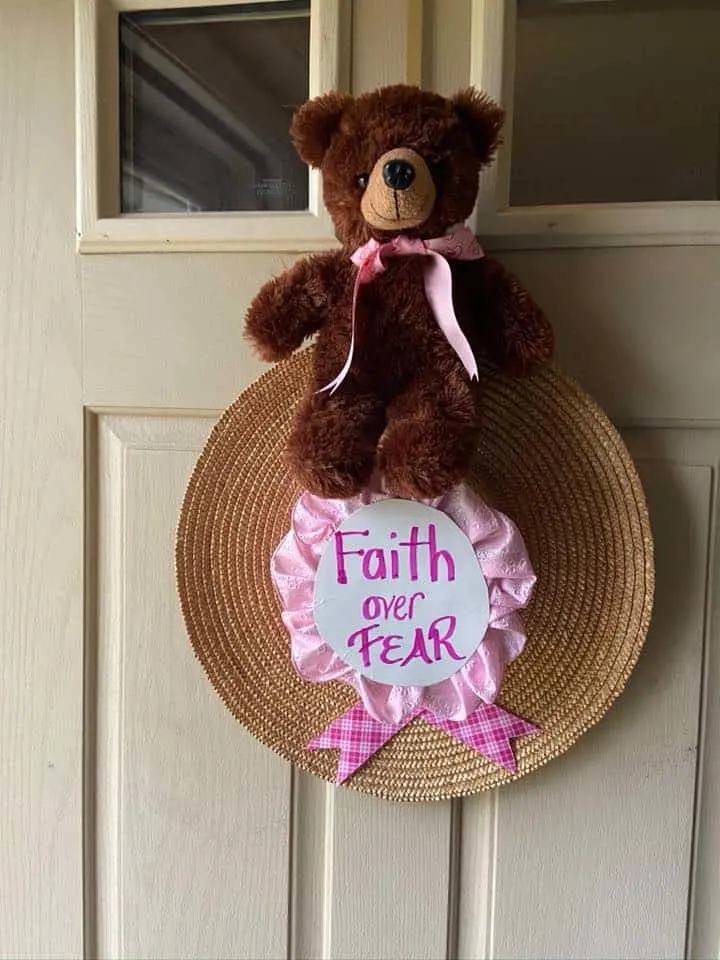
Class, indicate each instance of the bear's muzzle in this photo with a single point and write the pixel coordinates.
(400, 193)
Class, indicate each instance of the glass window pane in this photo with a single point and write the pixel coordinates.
(207, 95)
(616, 100)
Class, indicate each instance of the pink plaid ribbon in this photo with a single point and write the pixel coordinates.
(358, 736)
(461, 244)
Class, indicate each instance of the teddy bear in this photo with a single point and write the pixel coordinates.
(407, 311)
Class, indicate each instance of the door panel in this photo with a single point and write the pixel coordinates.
(637, 327)
(186, 806)
(165, 331)
(389, 879)
(196, 824)
(594, 850)
(187, 838)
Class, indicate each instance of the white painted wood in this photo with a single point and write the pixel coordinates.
(312, 867)
(101, 228)
(478, 842)
(637, 327)
(390, 879)
(577, 225)
(130, 5)
(701, 447)
(166, 331)
(593, 854)
(491, 59)
(41, 492)
(294, 231)
(191, 814)
(351, 864)
(371, 879)
(197, 841)
(179, 346)
(389, 38)
(445, 49)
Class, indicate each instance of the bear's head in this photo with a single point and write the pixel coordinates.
(398, 160)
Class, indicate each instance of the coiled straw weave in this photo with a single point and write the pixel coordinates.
(556, 466)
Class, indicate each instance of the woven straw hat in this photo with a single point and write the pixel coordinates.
(557, 467)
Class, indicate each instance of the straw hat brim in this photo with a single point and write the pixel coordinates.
(557, 467)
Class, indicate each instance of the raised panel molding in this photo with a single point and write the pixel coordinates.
(614, 848)
(201, 842)
(695, 593)
(187, 816)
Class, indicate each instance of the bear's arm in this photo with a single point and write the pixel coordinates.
(514, 333)
(293, 306)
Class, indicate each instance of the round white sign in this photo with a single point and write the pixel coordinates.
(399, 594)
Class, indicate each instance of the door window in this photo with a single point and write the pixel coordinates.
(613, 121)
(615, 102)
(206, 99)
(183, 117)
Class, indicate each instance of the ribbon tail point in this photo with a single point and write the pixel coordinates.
(357, 736)
(490, 730)
(332, 386)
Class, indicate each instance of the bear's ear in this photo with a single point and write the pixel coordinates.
(314, 124)
(482, 118)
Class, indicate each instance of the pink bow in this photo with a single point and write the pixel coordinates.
(461, 244)
(358, 736)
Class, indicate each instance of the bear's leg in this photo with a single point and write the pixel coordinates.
(429, 439)
(332, 447)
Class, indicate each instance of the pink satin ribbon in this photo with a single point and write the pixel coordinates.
(461, 244)
(359, 736)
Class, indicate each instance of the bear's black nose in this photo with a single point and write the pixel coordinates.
(398, 174)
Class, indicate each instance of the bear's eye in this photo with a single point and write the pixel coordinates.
(362, 180)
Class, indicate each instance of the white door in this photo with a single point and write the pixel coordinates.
(136, 818)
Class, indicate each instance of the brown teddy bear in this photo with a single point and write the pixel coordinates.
(408, 306)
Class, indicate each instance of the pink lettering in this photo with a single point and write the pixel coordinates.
(416, 596)
(444, 640)
(398, 606)
(412, 545)
(376, 556)
(366, 641)
(394, 560)
(432, 648)
(434, 555)
(341, 552)
(418, 649)
(371, 607)
(388, 646)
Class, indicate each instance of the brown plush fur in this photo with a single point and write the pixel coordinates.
(407, 407)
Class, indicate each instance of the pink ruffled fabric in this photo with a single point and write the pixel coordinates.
(505, 565)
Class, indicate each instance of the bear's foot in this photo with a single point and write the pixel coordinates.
(423, 460)
(332, 447)
(333, 481)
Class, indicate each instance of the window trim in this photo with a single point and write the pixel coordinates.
(101, 227)
(503, 227)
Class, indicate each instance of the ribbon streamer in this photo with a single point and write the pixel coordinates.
(461, 244)
(358, 736)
